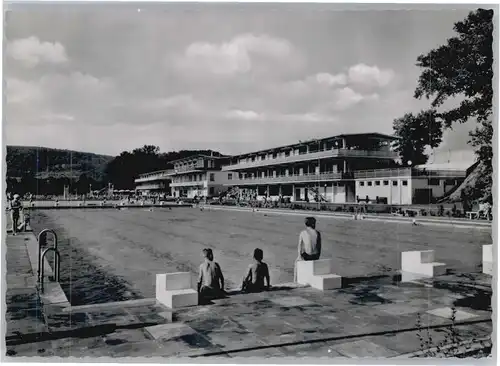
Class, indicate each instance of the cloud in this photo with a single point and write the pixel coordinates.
(248, 115)
(372, 76)
(31, 52)
(60, 98)
(243, 54)
(346, 98)
(244, 115)
(331, 80)
(58, 117)
(20, 91)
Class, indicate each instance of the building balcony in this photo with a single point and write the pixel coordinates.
(163, 175)
(144, 187)
(305, 178)
(408, 172)
(322, 154)
(188, 184)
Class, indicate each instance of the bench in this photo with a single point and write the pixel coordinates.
(472, 214)
(174, 290)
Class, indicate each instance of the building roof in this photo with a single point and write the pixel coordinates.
(199, 156)
(302, 143)
(459, 165)
(155, 172)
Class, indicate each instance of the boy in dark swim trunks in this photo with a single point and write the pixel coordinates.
(256, 274)
(210, 279)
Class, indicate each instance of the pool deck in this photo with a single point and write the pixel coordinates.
(368, 317)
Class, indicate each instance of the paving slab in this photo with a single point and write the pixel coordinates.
(169, 331)
(447, 312)
(289, 301)
(363, 348)
(313, 350)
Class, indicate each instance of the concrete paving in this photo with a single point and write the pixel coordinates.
(368, 317)
(374, 317)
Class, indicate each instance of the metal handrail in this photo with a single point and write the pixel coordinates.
(57, 266)
(45, 231)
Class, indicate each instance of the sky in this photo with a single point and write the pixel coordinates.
(106, 79)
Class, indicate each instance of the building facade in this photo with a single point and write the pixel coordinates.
(345, 168)
(338, 169)
(154, 183)
(198, 176)
(317, 171)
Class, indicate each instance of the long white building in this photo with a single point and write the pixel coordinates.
(346, 168)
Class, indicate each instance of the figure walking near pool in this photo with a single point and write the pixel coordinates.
(309, 243)
(257, 273)
(15, 210)
(210, 279)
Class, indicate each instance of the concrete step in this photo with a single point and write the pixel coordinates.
(175, 299)
(326, 281)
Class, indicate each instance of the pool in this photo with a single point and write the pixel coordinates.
(114, 255)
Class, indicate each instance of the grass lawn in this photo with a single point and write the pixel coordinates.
(111, 255)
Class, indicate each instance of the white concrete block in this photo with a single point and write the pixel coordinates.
(426, 256)
(173, 281)
(488, 253)
(318, 274)
(420, 264)
(326, 282)
(488, 268)
(174, 290)
(178, 298)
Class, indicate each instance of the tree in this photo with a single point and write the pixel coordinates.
(415, 134)
(463, 69)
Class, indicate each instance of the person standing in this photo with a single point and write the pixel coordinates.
(15, 211)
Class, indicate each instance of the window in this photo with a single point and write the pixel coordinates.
(335, 184)
(370, 184)
(212, 177)
(405, 182)
(377, 182)
(433, 182)
(361, 184)
(229, 176)
(386, 182)
(212, 190)
(394, 182)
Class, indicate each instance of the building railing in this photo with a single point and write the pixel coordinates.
(295, 178)
(188, 183)
(304, 156)
(188, 168)
(165, 174)
(150, 186)
(408, 172)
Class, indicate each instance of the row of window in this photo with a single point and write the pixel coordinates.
(385, 183)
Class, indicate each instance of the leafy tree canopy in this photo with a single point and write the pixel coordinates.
(415, 134)
(462, 69)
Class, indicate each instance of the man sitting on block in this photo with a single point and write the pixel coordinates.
(210, 279)
(309, 243)
(256, 274)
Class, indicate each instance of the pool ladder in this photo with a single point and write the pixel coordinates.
(42, 237)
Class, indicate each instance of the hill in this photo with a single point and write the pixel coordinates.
(44, 163)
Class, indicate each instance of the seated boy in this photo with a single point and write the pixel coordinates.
(257, 273)
(210, 279)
